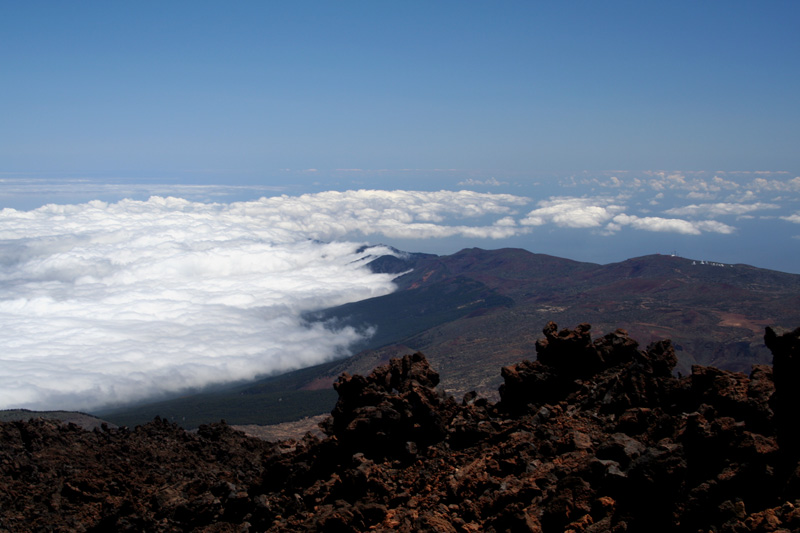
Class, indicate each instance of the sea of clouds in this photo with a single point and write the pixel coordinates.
(104, 303)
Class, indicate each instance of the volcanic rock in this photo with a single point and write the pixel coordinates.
(595, 435)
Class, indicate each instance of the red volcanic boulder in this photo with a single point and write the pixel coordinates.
(394, 410)
(569, 359)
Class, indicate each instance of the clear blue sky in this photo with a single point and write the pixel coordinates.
(241, 90)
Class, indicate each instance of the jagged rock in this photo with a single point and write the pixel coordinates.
(568, 360)
(616, 443)
(785, 402)
(395, 408)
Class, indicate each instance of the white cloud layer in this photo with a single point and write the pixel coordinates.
(606, 214)
(569, 212)
(699, 184)
(670, 225)
(103, 303)
(719, 209)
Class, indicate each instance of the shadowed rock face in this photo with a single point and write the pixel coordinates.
(568, 360)
(395, 409)
(595, 435)
(785, 346)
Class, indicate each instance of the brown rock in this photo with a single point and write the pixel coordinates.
(594, 436)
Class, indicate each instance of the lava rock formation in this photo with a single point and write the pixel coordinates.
(595, 435)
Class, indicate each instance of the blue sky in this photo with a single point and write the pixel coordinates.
(537, 99)
(210, 89)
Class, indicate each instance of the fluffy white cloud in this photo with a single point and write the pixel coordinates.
(506, 221)
(672, 225)
(675, 187)
(396, 214)
(104, 303)
(603, 213)
(785, 184)
(568, 212)
(701, 184)
(719, 209)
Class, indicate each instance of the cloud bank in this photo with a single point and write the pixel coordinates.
(669, 225)
(104, 303)
(608, 216)
(720, 209)
(573, 212)
(108, 303)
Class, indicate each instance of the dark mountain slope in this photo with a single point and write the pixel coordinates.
(510, 271)
(714, 314)
(474, 311)
(267, 401)
(405, 313)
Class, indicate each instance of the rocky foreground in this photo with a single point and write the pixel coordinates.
(592, 436)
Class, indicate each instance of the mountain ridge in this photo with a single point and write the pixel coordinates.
(477, 310)
(652, 296)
